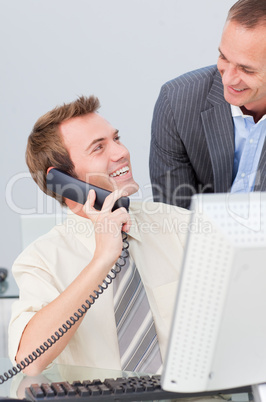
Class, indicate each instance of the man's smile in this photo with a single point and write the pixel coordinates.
(120, 172)
(236, 90)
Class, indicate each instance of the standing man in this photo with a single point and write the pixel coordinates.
(209, 125)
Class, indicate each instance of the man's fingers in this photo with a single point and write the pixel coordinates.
(111, 199)
(123, 218)
(119, 217)
(88, 207)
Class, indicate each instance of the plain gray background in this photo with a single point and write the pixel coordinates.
(120, 50)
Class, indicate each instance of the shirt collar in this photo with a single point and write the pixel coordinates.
(134, 230)
(236, 112)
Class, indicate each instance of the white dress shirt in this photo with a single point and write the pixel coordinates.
(47, 266)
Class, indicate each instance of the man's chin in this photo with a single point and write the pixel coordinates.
(130, 188)
(134, 189)
(235, 99)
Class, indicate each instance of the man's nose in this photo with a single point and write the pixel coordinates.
(230, 75)
(118, 151)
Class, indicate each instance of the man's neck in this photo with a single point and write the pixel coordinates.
(257, 115)
(76, 208)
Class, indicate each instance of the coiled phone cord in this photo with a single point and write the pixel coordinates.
(73, 319)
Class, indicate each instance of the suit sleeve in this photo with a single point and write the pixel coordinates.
(172, 176)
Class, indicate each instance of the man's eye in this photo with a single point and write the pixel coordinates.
(117, 138)
(99, 147)
(247, 71)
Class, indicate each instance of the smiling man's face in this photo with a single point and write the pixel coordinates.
(97, 153)
(242, 65)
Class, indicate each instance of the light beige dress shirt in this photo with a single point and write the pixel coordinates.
(47, 266)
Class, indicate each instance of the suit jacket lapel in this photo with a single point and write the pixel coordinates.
(219, 131)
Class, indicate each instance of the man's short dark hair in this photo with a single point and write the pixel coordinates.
(249, 13)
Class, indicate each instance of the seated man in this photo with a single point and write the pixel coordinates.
(58, 272)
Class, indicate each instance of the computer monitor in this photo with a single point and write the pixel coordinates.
(218, 334)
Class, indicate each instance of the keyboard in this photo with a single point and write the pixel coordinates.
(144, 388)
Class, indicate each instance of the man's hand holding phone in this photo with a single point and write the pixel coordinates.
(108, 226)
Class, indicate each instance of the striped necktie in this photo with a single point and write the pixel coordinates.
(137, 338)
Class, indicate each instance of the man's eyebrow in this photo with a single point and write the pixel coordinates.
(243, 66)
(221, 53)
(98, 140)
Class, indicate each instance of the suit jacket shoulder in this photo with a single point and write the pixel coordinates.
(198, 89)
(202, 76)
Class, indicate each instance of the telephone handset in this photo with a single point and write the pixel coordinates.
(77, 190)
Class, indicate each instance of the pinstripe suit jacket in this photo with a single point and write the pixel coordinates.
(192, 141)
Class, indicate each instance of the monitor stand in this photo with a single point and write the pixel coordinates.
(259, 392)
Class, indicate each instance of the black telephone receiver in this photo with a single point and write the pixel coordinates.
(77, 190)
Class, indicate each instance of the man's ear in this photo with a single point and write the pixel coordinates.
(48, 170)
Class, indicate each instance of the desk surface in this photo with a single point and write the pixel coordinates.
(15, 387)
